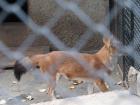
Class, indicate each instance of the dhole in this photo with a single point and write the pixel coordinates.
(63, 63)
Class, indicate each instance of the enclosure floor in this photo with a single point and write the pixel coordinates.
(108, 98)
(29, 85)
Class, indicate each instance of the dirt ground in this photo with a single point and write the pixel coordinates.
(31, 84)
(10, 89)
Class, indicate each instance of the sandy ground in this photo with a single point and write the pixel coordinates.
(10, 89)
(122, 97)
(30, 86)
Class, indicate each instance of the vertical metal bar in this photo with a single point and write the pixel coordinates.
(112, 22)
(132, 33)
(123, 41)
(127, 60)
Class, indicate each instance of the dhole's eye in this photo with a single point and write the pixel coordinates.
(37, 66)
(112, 46)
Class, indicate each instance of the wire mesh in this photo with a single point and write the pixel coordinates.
(128, 27)
(128, 31)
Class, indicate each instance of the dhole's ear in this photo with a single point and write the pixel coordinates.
(106, 41)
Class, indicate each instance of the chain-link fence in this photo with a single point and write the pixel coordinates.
(127, 27)
(128, 31)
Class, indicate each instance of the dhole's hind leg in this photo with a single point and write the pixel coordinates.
(101, 84)
(58, 77)
(51, 92)
(51, 89)
(51, 86)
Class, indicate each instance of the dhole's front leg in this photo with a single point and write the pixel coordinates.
(101, 84)
(90, 87)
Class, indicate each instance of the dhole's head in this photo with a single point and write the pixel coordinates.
(110, 45)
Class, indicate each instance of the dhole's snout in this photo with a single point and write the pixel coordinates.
(119, 47)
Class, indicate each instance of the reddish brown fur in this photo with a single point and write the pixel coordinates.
(61, 62)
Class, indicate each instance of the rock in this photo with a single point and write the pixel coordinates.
(42, 90)
(29, 97)
(2, 102)
(72, 87)
(77, 82)
(14, 82)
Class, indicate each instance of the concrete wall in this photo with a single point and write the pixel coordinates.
(69, 28)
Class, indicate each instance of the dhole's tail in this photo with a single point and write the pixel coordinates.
(9, 67)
